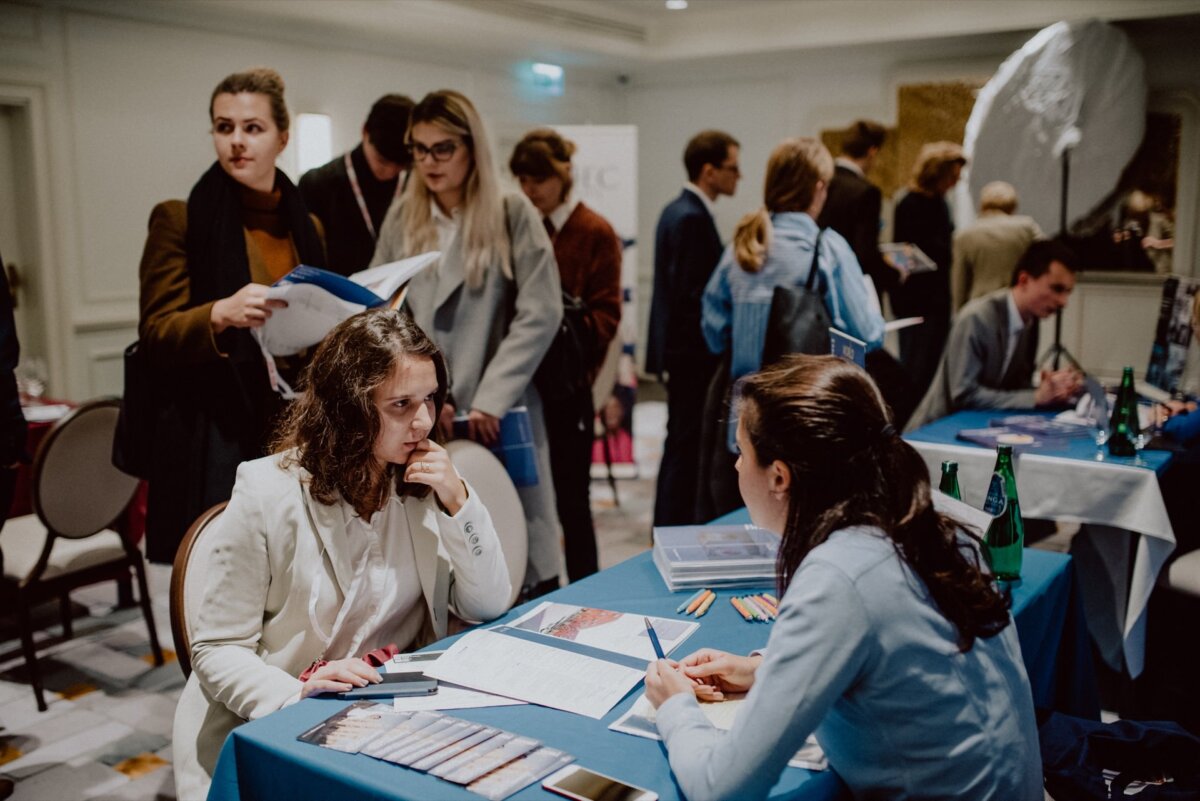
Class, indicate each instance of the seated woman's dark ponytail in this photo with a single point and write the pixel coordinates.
(825, 419)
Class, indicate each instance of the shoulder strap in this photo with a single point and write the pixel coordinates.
(812, 270)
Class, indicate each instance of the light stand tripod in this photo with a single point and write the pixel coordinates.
(1057, 352)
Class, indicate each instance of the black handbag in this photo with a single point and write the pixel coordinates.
(799, 321)
(134, 437)
(563, 372)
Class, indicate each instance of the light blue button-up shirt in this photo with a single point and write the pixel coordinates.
(737, 303)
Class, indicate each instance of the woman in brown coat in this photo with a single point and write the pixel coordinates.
(204, 277)
(588, 253)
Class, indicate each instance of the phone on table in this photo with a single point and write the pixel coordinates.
(395, 684)
(575, 781)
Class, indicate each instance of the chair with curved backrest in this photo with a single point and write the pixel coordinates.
(487, 476)
(187, 583)
(69, 541)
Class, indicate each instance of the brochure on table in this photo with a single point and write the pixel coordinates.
(487, 760)
(577, 659)
(319, 299)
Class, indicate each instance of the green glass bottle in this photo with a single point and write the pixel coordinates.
(1005, 538)
(1123, 425)
(949, 484)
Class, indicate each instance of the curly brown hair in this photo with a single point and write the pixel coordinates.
(825, 419)
(330, 430)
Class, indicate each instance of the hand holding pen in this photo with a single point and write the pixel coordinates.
(705, 692)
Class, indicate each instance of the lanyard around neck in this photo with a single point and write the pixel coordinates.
(358, 195)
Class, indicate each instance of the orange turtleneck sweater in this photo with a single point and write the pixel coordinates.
(267, 228)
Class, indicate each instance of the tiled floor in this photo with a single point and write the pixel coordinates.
(107, 732)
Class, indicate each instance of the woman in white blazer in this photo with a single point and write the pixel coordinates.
(357, 533)
(492, 303)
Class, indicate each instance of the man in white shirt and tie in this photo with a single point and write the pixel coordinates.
(990, 356)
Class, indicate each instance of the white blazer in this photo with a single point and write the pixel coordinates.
(277, 553)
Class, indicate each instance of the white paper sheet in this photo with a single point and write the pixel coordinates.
(313, 311)
(540, 674)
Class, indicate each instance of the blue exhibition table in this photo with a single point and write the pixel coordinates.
(1084, 449)
(263, 759)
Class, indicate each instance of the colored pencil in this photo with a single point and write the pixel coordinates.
(741, 610)
(774, 601)
(688, 602)
(694, 604)
(771, 607)
(757, 607)
(757, 604)
(767, 606)
(707, 602)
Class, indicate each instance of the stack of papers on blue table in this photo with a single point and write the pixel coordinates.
(690, 557)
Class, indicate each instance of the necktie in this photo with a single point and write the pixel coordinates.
(549, 227)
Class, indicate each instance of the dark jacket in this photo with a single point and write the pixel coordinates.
(853, 210)
(211, 415)
(328, 194)
(686, 250)
(12, 419)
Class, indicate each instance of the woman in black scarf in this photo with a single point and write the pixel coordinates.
(204, 277)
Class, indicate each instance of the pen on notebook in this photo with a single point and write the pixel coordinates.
(658, 651)
(691, 600)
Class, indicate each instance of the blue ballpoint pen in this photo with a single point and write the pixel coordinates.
(654, 639)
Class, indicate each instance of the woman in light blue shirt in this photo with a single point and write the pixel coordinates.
(772, 247)
(892, 645)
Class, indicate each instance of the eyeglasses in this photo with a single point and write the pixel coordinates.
(442, 151)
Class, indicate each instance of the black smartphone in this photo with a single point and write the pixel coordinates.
(395, 684)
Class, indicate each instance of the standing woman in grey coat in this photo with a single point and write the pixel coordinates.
(493, 301)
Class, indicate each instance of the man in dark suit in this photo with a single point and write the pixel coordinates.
(351, 194)
(853, 205)
(991, 353)
(686, 249)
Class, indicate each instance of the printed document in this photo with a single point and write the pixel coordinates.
(319, 299)
(577, 659)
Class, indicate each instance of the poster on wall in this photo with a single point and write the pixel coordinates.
(1173, 334)
(605, 172)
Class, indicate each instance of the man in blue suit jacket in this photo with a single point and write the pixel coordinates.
(686, 249)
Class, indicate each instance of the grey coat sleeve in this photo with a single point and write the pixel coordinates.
(817, 650)
(538, 312)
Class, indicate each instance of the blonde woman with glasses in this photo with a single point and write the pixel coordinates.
(492, 303)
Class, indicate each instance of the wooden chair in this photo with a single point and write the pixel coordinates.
(69, 541)
(487, 476)
(187, 583)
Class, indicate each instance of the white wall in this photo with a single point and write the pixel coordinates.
(128, 105)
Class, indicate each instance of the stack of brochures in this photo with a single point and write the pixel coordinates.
(484, 759)
(689, 557)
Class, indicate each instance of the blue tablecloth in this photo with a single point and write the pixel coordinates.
(1126, 535)
(263, 760)
(946, 430)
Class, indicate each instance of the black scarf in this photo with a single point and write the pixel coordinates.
(216, 239)
(218, 267)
